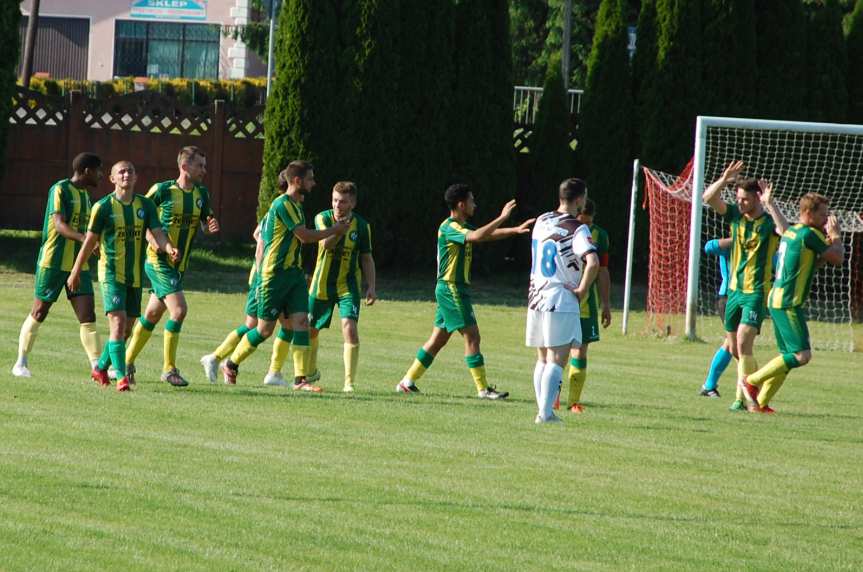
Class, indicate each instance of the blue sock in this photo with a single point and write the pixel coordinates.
(720, 361)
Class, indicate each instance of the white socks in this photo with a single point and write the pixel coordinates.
(549, 387)
(537, 379)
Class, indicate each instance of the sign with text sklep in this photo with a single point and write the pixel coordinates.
(169, 9)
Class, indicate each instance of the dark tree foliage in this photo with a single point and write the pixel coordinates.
(644, 74)
(730, 68)
(668, 134)
(550, 153)
(606, 120)
(780, 29)
(528, 29)
(854, 42)
(306, 110)
(10, 16)
(826, 63)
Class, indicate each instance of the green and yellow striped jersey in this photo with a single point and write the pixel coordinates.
(337, 270)
(753, 244)
(599, 237)
(799, 249)
(282, 250)
(454, 253)
(74, 205)
(122, 242)
(180, 213)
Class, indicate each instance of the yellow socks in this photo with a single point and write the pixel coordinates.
(90, 341)
(27, 337)
(281, 349)
(476, 366)
(422, 362)
(247, 346)
(770, 369)
(140, 336)
(351, 355)
(312, 356)
(230, 343)
(577, 377)
(770, 387)
(172, 339)
(300, 351)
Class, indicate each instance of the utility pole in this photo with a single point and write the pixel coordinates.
(567, 42)
(270, 42)
(30, 44)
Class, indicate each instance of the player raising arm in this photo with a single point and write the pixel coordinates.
(802, 248)
(455, 240)
(118, 224)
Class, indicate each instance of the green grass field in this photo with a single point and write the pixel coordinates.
(248, 477)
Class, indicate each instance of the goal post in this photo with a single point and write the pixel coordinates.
(797, 157)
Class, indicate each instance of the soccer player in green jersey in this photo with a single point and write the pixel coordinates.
(598, 300)
(119, 224)
(802, 250)
(341, 265)
(283, 288)
(183, 204)
(63, 231)
(754, 242)
(455, 240)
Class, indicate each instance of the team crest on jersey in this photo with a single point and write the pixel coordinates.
(200, 202)
(354, 235)
(115, 300)
(274, 312)
(140, 213)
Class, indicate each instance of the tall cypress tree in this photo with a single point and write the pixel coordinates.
(781, 81)
(550, 154)
(644, 75)
(668, 136)
(854, 43)
(729, 47)
(10, 17)
(606, 119)
(307, 106)
(826, 63)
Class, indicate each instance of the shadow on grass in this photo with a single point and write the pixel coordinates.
(224, 268)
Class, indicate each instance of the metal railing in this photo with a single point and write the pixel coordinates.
(525, 103)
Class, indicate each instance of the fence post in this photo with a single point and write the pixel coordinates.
(75, 126)
(216, 156)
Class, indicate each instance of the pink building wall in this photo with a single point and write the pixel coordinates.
(235, 59)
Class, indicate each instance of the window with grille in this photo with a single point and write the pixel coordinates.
(166, 49)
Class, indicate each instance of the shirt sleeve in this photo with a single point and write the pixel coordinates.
(455, 232)
(288, 216)
(206, 207)
(366, 239)
(56, 201)
(816, 241)
(151, 216)
(155, 194)
(322, 221)
(97, 219)
(582, 243)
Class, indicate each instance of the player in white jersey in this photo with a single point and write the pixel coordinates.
(564, 265)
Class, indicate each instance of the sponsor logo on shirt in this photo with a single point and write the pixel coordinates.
(140, 213)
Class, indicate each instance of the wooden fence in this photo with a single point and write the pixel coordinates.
(146, 128)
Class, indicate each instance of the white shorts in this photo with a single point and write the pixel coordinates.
(552, 329)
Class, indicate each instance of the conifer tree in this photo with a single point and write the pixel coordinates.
(606, 119)
(10, 16)
(826, 63)
(550, 153)
(854, 43)
(780, 31)
(730, 66)
(644, 74)
(307, 108)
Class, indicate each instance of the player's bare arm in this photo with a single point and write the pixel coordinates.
(834, 255)
(164, 245)
(330, 242)
(591, 269)
(307, 235)
(64, 230)
(725, 243)
(367, 263)
(91, 240)
(713, 195)
(603, 280)
(770, 206)
(486, 232)
(523, 228)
